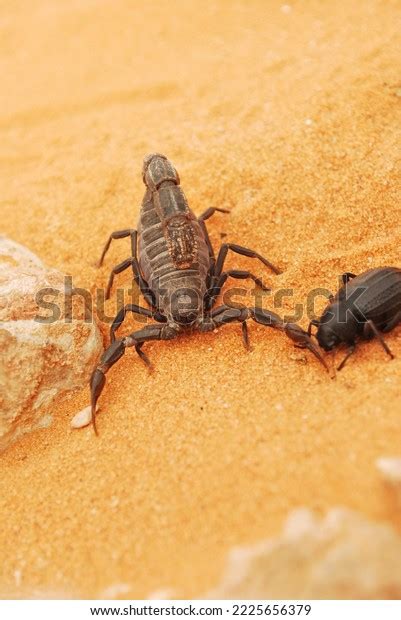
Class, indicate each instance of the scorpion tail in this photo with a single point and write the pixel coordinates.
(97, 381)
(98, 377)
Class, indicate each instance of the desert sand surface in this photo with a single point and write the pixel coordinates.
(289, 116)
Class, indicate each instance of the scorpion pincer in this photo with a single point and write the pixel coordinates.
(174, 265)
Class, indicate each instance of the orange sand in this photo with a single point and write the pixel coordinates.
(287, 115)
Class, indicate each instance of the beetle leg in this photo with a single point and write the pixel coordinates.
(116, 350)
(118, 234)
(350, 351)
(371, 327)
(314, 323)
(120, 316)
(347, 276)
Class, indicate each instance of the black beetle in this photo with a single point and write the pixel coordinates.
(365, 306)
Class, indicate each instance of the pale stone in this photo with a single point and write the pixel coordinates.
(39, 361)
(390, 469)
(341, 556)
(82, 418)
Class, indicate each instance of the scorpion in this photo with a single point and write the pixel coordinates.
(175, 267)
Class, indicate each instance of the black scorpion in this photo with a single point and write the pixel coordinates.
(365, 307)
(174, 265)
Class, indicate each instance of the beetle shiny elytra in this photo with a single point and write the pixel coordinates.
(366, 306)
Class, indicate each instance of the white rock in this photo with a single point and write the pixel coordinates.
(164, 594)
(115, 591)
(390, 469)
(39, 361)
(342, 556)
(82, 418)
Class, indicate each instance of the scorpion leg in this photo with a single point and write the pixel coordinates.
(212, 258)
(300, 337)
(120, 316)
(370, 329)
(143, 356)
(241, 275)
(119, 234)
(201, 220)
(131, 262)
(226, 314)
(117, 269)
(303, 340)
(116, 350)
(239, 249)
(245, 335)
(211, 211)
(143, 285)
(219, 282)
